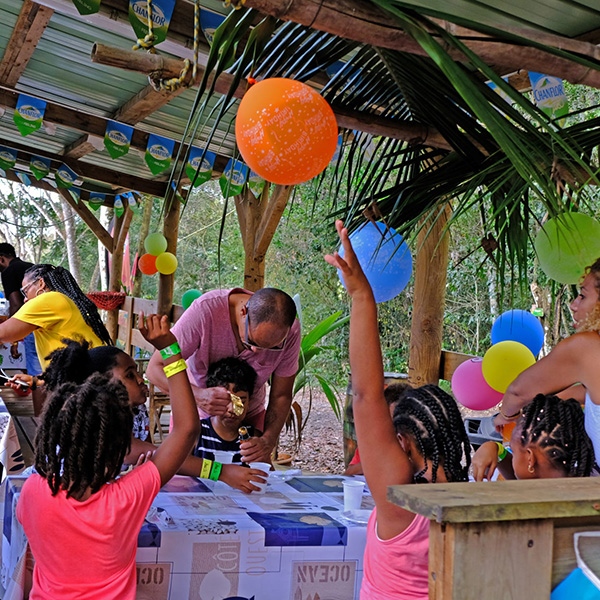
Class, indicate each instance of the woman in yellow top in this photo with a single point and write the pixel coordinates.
(55, 309)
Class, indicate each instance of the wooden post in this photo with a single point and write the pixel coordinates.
(116, 270)
(170, 231)
(258, 219)
(428, 304)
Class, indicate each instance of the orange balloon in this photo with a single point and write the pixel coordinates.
(147, 264)
(285, 130)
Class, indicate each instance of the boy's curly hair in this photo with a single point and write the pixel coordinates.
(233, 371)
(84, 435)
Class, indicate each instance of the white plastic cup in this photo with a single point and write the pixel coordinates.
(261, 466)
(223, 457)
(353, 492)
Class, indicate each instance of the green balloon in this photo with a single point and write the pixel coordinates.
(155, 243)
(566, 245)
(189, 297)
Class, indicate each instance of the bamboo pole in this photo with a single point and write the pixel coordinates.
(170, 231)
(429, 298)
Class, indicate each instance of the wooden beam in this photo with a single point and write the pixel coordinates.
(365, 23)
(144, 103)
(90, 124)
(29, 28)
(89, 171)
(79, 148)
(88, 218)
(170, 231)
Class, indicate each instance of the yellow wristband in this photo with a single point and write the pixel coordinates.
(206, 468)
(175, 368)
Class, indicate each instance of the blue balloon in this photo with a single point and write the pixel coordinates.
(385, 259)
(519, 326)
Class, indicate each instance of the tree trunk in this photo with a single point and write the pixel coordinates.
(429, 298)
(71, 242)
(170, 231)
(144, 229)
(106, 214)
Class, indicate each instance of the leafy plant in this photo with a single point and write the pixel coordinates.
(309, 348)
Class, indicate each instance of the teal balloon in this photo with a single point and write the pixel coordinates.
(189, 297)
(155, 243)
(566, 245)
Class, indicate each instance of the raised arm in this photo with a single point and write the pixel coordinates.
(186, 425)
(383, 460)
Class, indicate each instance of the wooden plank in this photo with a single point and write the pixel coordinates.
(450, 361)
(501, 500)
(89, 219)
(27, 32)
(79, 148)
(26, 428)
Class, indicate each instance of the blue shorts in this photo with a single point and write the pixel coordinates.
(31, 357)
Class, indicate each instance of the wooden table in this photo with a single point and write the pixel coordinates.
(505, 540)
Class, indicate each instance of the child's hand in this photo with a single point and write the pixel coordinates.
(354, 278)
(241, 478)
(26, 382)
(485, 461)
(156, 330)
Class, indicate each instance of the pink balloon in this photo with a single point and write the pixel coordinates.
(471, 389)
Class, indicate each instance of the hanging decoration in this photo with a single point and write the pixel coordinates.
(188, 297)
(96, 200)
(133, 205)
(29, 114)
(117, 138)
(209, 22)
(504, 362)
(118, 206)
(519, 326)
(285, 131)
(166, 263)
(256, 183)
(8, 157)
(76, 193)
(23, 178)
(65, 176)
(155, 244)
(87, 7)
(470, 387)
(147, 264)
(549, 95)
(161, 11)
(199, 171)
(233, 178)
(566, 245)
(40, 166)
(159, 153)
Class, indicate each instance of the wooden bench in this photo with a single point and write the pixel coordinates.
(505, 540)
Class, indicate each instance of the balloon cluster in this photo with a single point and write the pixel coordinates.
(517, 338)
(156, 257)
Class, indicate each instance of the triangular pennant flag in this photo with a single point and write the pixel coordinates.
(24, 178)
(133, 205)
(76, 193)
(256, 183)
(158, 153)
(65, 176)
(233, 178)
(209, 22)
(118, 206)
(29, 114)
(8, 157)
(162, 11)
(203, 168)
(96, 200)
(87, 7)
(549, 95)
(40, 166)
(117, 138)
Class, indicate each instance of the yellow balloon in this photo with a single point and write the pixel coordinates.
(503, 362)
(166, 263)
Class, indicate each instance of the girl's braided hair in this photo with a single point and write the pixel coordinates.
(557, 427)
(430, 416)
(59, 279)
(84, 435)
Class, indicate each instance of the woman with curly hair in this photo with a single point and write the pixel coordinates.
(55, 309)
(573, 361)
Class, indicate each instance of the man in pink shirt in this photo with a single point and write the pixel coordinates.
(260, 328)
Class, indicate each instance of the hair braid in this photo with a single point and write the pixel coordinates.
(432, 419)
(59, 279)
(84, 435)
(558, 428)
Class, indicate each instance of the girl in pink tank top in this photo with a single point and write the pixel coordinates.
(425, 442)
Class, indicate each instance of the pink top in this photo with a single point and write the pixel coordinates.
(86, 549)
(205, 335)
(397, 569)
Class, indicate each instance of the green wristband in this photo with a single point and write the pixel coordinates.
(215, 471)
(502, 451)
(169, 351)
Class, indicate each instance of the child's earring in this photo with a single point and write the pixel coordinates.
(530, 468)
